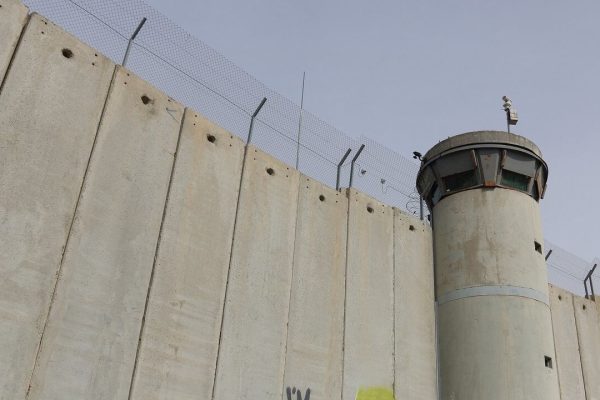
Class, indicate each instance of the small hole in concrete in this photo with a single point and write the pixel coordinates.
(67, 53)
(270, 171)
(548, 362)
(412, 228)
(321, 197)
(584, 306)
(370, 209)
(145, 99)
(559, 297)
(538, 247)
(211, 138)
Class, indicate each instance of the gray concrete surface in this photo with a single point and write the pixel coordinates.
(568, 361)
(181, 335)
(316, 321)
(415, 368)
(482, 137)
(494, 321)
(89, 346)
(369, 329)
(252, 352)
(493, 347)
(47, 131)
(486, 237)
(13, 16)
(588, 333)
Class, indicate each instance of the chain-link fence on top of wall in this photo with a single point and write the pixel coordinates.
(569, 271)
(199, 77)
(196, 75)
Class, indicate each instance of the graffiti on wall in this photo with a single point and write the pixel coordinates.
(296, 394)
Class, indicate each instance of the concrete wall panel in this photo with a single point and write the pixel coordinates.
(588, 332)
(89, 346)
(316, 322)
(183, 322)
(13, 16)
(251, 355)
(568, 362)
(415, 348)
(494, 347)
(47, 129)
(369, 330)
(492, 248)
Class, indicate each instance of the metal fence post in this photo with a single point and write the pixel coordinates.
(362, 146)
(589, 277)
(262, 103)
(339, 167)
(131, 39)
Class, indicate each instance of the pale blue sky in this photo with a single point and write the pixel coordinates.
(410, 73)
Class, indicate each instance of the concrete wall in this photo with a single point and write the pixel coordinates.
(588, 333)
(258, 291)
(568, 361)
(315, 339)
(138, 261)
(180, 339)
(414, 327)
(47, 130)
(13, 15)
(90, 342)
(369, 328)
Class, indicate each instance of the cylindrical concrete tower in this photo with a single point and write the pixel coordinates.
(494, 324)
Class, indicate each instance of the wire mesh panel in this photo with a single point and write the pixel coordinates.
(196, 75)
(567, 270)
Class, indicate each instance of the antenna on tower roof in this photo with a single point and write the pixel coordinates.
(511, 113)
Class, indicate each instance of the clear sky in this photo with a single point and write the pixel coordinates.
(410, 73)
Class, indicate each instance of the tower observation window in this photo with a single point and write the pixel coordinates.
(515, 180)
(459, 181)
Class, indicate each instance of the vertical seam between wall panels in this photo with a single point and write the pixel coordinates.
(585, 391)
(156, 253)
(554, 343)
(233, 233)
(67, 241)
(287, 330)
(348, 197)
(14, 53)
(394, 300)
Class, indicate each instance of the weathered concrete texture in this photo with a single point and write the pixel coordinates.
(588, 332)
(252, 353)
(183, 322)
(486, 237)
(13, 16)
(89, 346)
(47, 129)
(568, 361)
(493, 347)
(414, 310)
(494, 323)
(369, 330)
(316, 321)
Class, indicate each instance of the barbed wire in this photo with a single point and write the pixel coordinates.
(196, 75)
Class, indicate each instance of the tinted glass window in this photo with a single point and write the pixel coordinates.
(460, 181)
(515, 180)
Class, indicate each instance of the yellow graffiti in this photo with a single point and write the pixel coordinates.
(374, 393)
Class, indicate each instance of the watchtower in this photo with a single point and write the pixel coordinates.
(494, 325)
